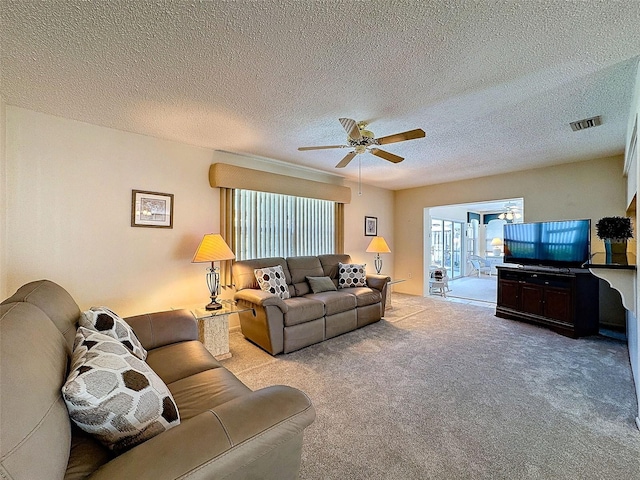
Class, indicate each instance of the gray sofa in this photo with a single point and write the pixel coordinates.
(306, 318)
(225, 431)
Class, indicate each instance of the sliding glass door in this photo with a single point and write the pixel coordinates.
(446, 246)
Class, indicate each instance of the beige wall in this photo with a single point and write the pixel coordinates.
(68, 212)
(374, 202)
(590, 189)
(3, 199)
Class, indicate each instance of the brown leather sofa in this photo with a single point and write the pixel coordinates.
(226, 430)
(306, 318)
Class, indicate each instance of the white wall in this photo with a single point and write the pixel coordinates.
(450, 212)
(633, 180)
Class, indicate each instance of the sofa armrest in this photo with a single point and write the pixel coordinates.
(231, 441)
(260, 298)
(377, 281)
(163, 328)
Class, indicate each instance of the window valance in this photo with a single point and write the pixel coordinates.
(230, 176)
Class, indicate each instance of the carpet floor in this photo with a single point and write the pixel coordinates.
(483, 288)
(445, 390)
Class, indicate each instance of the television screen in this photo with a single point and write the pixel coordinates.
(564, 243)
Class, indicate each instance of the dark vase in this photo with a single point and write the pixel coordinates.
(616, 250)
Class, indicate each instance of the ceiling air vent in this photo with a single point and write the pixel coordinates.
(586, 123)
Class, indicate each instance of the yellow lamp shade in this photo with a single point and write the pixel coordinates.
(213, 248)
(378, 245)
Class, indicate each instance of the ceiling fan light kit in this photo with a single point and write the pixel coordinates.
(363, 140)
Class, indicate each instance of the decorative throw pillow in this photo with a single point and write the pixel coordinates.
(103, 320)
(272, 279)
(113, 395)
(321, 284)
(351, 275)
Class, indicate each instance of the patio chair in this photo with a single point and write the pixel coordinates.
(479, 265)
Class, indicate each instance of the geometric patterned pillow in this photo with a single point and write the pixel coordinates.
(103, 320)
(272, 279)
(113, 395)
(351, 275)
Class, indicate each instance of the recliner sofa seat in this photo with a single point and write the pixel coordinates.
(284, 325)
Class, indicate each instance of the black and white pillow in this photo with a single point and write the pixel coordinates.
(105, 321)
(113, 395)
(272, 279)
(351, 275)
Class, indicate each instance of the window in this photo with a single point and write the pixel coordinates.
(274, 225)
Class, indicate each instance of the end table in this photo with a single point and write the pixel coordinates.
(213, 327)
(389, 285)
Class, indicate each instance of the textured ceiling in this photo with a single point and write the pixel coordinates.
(493, 83)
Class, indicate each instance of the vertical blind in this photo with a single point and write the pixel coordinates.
(274, 225)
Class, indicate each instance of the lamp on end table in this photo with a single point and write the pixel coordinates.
(378, 246)
(212, 249)
(496, 243)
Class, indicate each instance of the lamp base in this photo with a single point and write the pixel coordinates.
(213, 282)
(214, 305)
(377, 262)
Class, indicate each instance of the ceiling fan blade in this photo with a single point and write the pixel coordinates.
(386, 155)
(351, 126)
(401, 137)
(322, 147)
(345, 161)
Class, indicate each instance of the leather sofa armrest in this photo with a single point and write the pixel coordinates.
(226, 442)
(377, 281)
(163, 328)
(261, 298)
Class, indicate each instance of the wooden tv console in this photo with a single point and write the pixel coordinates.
(564, 300)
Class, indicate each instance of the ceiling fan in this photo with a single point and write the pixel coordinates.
(363, 140)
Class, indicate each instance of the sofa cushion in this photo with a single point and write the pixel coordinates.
(53, 300)
(205, 390)
(351, 275)
(365, 295)
(35, 430)
(321, 284)
(107, 322)
(194, 358)
(244, 274)
(302, 309)
(331, 263)
(115, 396)
(300, 268)
(272, 279)
(335, 302)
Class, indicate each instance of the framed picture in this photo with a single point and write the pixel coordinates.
(370, 226)
(151, 209)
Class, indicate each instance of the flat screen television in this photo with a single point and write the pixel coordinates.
(558, 244)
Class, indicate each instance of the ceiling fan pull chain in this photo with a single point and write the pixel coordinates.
(359, 176)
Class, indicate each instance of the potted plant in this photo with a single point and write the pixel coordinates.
(615, 231)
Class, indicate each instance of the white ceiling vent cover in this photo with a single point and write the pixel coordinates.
(586, 123)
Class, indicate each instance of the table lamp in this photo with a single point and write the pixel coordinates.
(496, 243)
(378, 246)
(212, 249)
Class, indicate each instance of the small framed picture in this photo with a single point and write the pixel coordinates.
(370, 226)
(151, 209)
